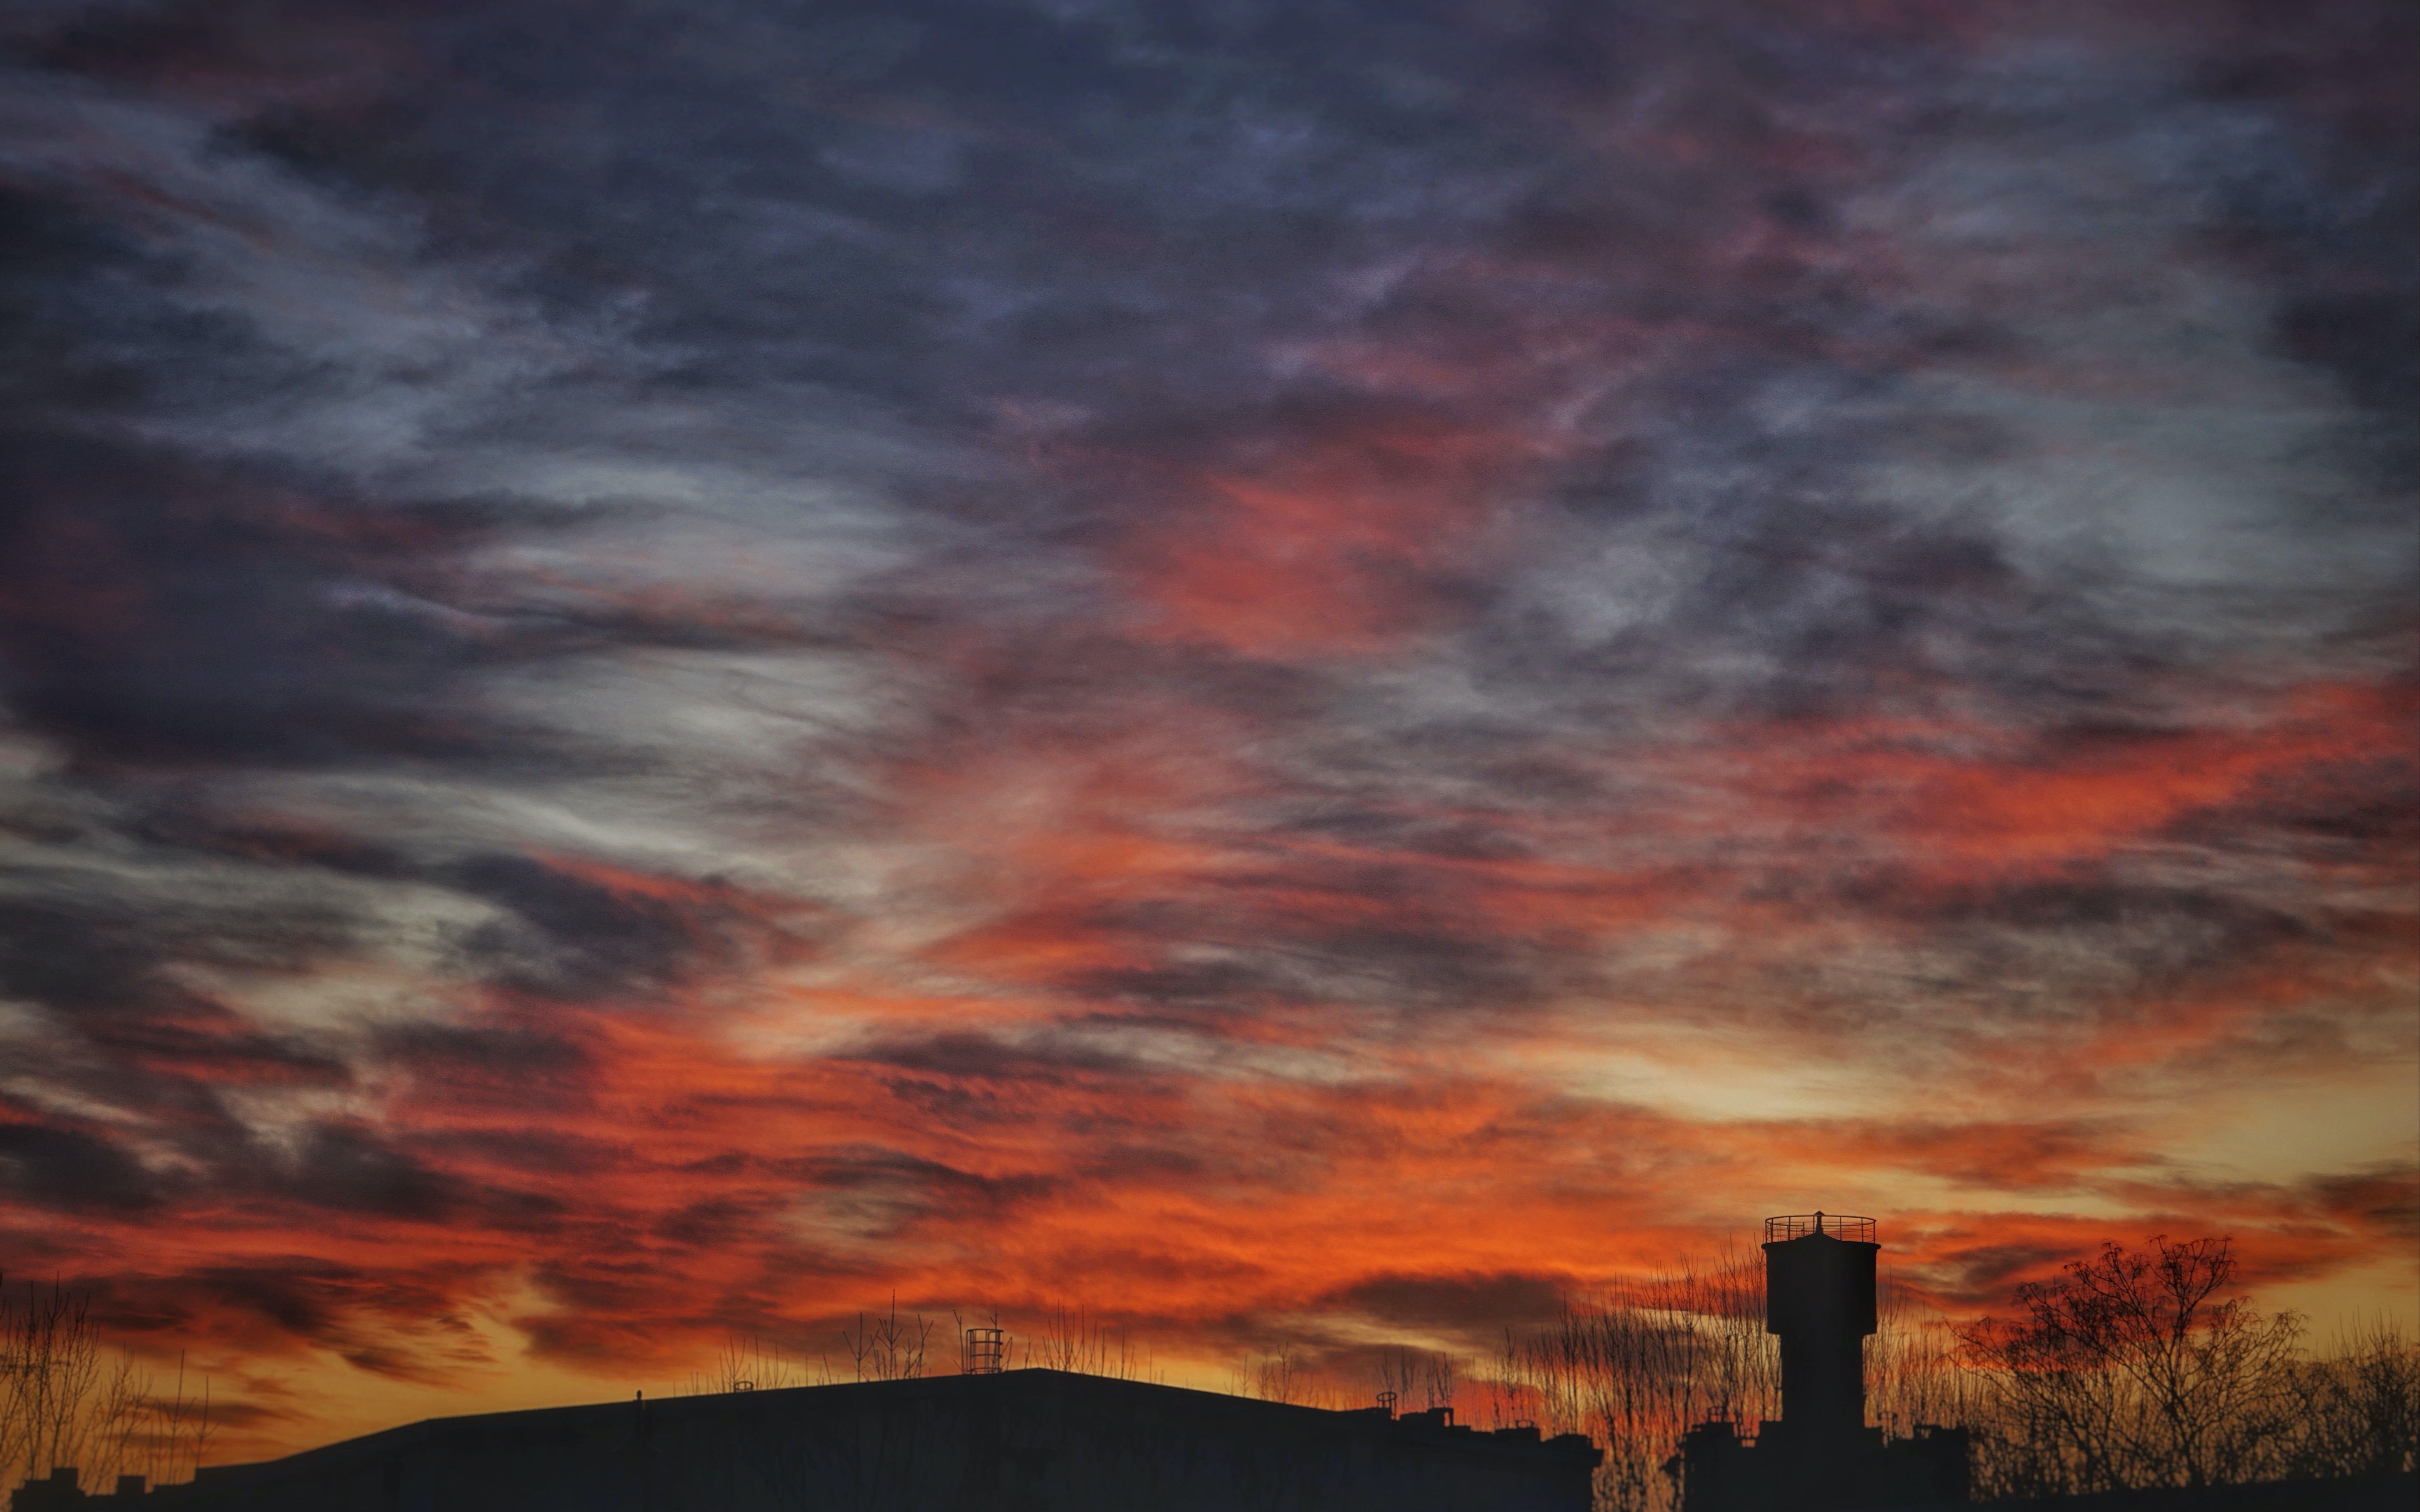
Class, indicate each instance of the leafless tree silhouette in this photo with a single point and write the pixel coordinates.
(2361, 1408)
(2132, 1369)
(1635, 1366)
(887, 1347)
(65, 1399)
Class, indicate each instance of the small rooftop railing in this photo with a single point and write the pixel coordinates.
(1847, 1226)
(983, 1352)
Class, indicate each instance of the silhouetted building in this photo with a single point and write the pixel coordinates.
(1020, 1440)
(60, 1490)
(1821, 1456)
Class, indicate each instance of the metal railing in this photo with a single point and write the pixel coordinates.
(983, 1352)
(1847, 1226)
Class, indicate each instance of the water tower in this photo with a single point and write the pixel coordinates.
(1818, 1455)
(1819, 1297)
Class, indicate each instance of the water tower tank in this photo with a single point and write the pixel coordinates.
(1819, 1297)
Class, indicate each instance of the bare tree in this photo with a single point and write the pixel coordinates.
(2360, 1408)
(1439, 1379)
(50, 1361)
(1634, 1367)
(65, 1400)
(1280, 1377)
(182, 1428)
(758, 1362)
(2132, 1370)
(1399, 1378)
(888, 1347)
(1081, 1342)
(1914, 1373)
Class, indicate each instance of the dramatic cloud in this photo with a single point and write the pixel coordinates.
(1295, 674)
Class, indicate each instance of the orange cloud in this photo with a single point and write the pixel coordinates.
(1343, 548)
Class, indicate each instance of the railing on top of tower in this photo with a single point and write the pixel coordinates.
(1847, 1226)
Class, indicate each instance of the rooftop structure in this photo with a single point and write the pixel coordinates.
(1016, 1441)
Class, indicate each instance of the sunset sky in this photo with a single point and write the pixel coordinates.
(1303, 671)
